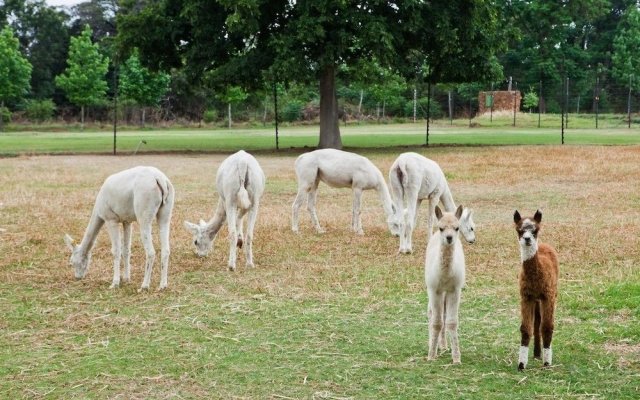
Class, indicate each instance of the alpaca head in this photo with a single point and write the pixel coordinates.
(467, 226)
(449, 225)
(79, 261)
(528, 229)
(202, 238)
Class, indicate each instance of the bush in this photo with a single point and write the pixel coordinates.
(5, 114)
(39, 110)
(210, 116)
(436, 111)
(292, 111)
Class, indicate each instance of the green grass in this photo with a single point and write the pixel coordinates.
(356, 136)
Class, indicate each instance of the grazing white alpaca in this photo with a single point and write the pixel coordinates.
(444, 277)
(414, 178)
(340, 169)
(138, 194)
(240, 184)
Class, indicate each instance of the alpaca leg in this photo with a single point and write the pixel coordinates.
(164, 225)
(233, 238)
(451, 323)
(311, 206)
(295, 208)
(527, 309)
(126, 250)
(546, 328)
(251, 223)
(147, 242)
(537, 348)
(443, 336)
(356, 222)
(430, 217)
(116, 249)
(410, 224)
(436, 303)
(240, 228)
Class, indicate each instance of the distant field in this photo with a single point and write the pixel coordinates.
(332, 316)
(355, 136)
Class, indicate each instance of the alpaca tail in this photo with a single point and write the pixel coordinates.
(243, 196)
(403, 177)
(165, 190)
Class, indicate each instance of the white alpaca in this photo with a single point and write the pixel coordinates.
(414, 178)
(240, 183)
(444, 277)
(340, 169)
(138, 194)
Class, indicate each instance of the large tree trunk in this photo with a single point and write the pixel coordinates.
(329, 123)
(143, 112)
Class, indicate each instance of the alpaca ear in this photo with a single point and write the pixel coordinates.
(193, 228)
(438, 212)
(516, 217)
(202, 222)
(68, 241)
(538, 216)
(459, 211)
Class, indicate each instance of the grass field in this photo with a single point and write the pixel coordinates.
(353, 136)
(332, 316)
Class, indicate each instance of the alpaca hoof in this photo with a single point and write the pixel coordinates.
(521, 367)
(161, 288)
(320, 231)
(431, 358)
(457, 362)
(232, 268)
(143, 289)
(360, 232)
(114, 285)
(250, 265)
(547, 364)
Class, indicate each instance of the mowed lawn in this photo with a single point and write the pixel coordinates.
(332, 316)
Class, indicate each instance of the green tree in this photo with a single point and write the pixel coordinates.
(15, 70)
(142, 86)
(232, 95)
(83, 80)
(530, 100)
(626, 56)
(304, 41)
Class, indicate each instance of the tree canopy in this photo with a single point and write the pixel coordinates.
(244, 42)
(15, 70)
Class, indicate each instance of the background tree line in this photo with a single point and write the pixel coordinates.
(220, 61)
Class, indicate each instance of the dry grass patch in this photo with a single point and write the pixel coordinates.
(325, 316)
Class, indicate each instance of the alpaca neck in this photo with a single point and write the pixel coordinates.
(446, 252)
(447, 199)
(385, 197)
(216, 222)
(528, 252)
(90, 234)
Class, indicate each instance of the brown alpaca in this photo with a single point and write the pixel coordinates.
(538, 289)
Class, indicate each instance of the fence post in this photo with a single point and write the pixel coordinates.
(629, 104)
(566, 105)
(514, 104)
(275, 110)
(492, 101)
(415, 103)
(539, 100)
(562, 114)
(115, 104)
(597, 98)
(428, 109)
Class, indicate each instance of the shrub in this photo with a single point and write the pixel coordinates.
(210, 116)
(39, 110)
(292, 111)
(5, 114)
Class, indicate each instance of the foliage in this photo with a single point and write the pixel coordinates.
(530, 100)
(292, 111)
(15, 69)
(209, 116)
(39, 110)
(5, 115)
(83, 80)
(233, 95)
(626, 49)
(140, 85)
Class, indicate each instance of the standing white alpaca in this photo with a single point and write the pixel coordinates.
(444, 277)
(240, 183)
(414, 178)
(340, 169)
(138, 194)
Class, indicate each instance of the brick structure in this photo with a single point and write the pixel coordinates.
(502, 101)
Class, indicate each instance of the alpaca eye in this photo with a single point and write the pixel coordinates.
(471, 229)
(441, 229)
(195, 242)
(457, 229)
